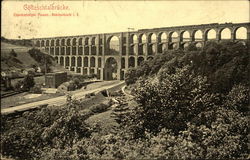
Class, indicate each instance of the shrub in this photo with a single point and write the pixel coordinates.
(99, 108)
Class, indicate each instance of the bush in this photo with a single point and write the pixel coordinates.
(99, 108)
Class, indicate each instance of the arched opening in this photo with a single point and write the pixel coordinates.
(133, 39)
(110, 69)
(80, 50)
(152, 38)
(149, 58)
(57, 42)
(113, 46)
(80, 41)
(185, 36)
(133, 50)
(185, 45)
(92, 62)
(99, 62)
(47, 42)
(42, 43)
(198, 45)
(198, 35)
(38, 43)
(56, 58)
(93, 41)
(85, 62)
(131, 62)
(86, 41)
(79, 61)
(67, 61)
(123, 63)
(73, 61)
(172, 46)
(74, 42)
(52, 42)
(63, 42)
(61, 61)
(163, 37)
(241, 33)
(57, 50)
(140, 60)
(173, 37)
(142, 38)
(211, 34)
(152, 49)
(68, 42)
(225, 34)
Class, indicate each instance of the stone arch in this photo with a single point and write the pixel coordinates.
(225, 33)
(38, 43)
(131, 62)
(47, 42)
(68, 42)
(113, 45)
(61, 60)
(57, 42)
(142, 38)
(151, 49)
(80, 41)
(74, 42)
(52, 43)
(185, 36)
(198, 45)
(93, 41)
(85, 62)
(123, 63)
(173, 36)
(210, 34)
(152, 38)
(197, 35)
(42, 43)
(150, 58)
(140, 60)
(172, 46)
(110, 69)
(63, 42)
(73, 61)
(99, 62)
(79, 61)
(133, 49)
(92, 62)
(57, 50)
(133, 38)
(67, 61)
(240, 33)
(184, 45)
(56, 58)
(86, 41)
(162, 37)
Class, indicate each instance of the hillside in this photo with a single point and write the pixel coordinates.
(22, 60)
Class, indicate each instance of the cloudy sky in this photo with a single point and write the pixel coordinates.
(116, 16)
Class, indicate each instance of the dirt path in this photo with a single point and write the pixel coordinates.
(58, 100)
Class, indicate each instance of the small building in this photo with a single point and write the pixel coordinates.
(53, 80)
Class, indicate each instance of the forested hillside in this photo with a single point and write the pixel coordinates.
(191, 104)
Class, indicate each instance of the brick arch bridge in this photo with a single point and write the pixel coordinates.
(87, 54)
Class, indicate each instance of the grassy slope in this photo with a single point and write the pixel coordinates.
(22, 56)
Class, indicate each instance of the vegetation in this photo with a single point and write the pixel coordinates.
(191, 104)
(26, 84)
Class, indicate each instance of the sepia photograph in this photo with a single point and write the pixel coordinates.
(125, 80)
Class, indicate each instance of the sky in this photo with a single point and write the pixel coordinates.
(115, 16)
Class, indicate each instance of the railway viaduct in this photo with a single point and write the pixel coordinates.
(110, 55)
